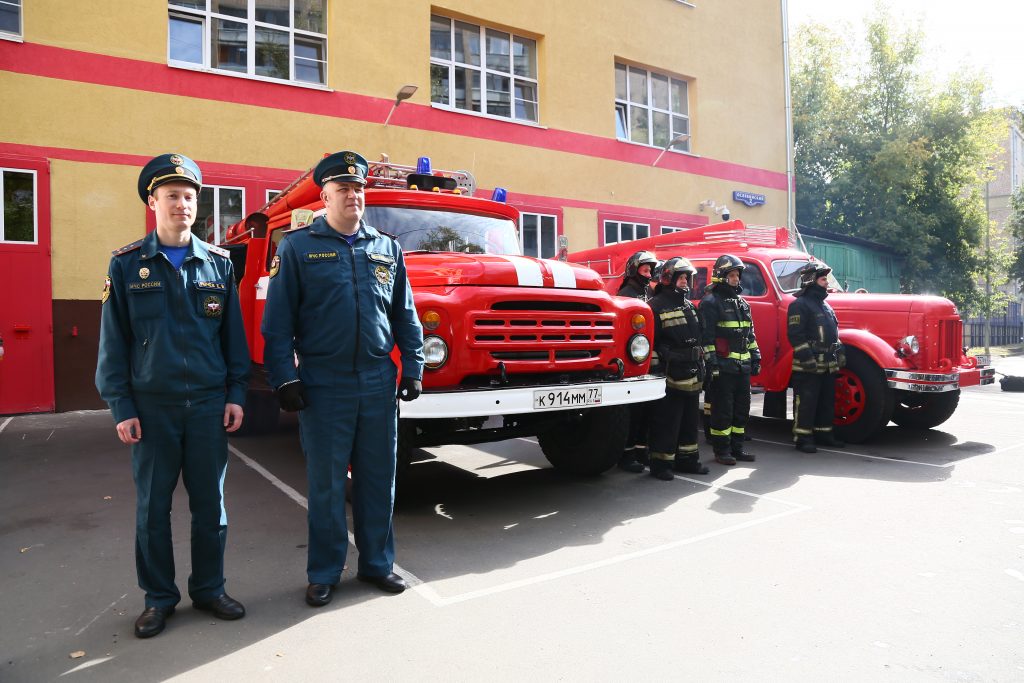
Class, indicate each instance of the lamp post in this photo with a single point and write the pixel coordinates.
(404, 93)
(678, 138)
(988, 265)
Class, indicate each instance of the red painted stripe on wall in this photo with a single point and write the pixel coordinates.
(86, 67)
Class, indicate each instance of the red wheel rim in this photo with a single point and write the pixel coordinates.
(850, 398)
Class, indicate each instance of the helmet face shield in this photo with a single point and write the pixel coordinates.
(638, 259)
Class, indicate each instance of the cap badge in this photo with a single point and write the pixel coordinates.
(351, 170)
(349, 158)
(176, 160)
(179, 170)
(144, 272)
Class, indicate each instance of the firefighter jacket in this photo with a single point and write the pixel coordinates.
(340, 308)
(677, 341)
(728, 331)
(631, 288)
(170, 337)
(813, 330)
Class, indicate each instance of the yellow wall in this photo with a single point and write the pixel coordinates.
(731, 49)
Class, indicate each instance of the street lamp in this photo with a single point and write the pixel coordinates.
(404, 93)
(988, 264)
(678, 138)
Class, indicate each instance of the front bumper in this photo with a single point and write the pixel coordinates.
(925, 382)
(519, 400)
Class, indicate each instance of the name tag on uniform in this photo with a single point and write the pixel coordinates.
(380, 258)
(213, 286)
(145, 286)
(315, 256)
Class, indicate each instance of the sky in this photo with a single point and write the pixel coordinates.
(986, 35)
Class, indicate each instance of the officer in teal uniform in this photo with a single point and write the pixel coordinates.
(173, 367)
(339, 300)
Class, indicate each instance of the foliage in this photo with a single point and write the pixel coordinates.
(443, 238)
(883, 154)
(1015, 226)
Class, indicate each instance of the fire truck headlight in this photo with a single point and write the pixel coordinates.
(435, 351)
(908, 346)
(639, 348)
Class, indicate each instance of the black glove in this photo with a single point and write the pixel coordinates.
(292, 396)
(755, 367)
(409, 389)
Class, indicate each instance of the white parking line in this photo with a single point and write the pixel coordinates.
(6, 422)
(432, 596)
(862, 455)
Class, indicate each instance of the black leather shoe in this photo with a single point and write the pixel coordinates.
(223, 607)
(152, 621)
(744, 457)
(392, 583)
(319, 594)
(690, 466)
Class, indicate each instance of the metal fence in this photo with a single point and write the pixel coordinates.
(1005, 329)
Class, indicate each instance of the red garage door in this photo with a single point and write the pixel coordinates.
(26, 309)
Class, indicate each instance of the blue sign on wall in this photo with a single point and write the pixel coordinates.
(749, 198)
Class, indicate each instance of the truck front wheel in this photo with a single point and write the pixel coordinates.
(587, 442)
(924, 411)
(864, 401)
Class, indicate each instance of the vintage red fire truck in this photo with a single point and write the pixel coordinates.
(515, 346)
(905, 357)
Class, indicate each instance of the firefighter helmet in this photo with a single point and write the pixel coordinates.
(675, 267)
(725, 264)
(810, 273)
(638, 259)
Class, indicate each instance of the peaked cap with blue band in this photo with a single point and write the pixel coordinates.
(168, 168)
(343, 167)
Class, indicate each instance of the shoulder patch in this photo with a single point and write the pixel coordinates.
(218, 251)
(794, 319)
(127, 248)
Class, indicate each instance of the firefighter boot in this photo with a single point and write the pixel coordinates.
(724, 459)
(628, 463)
(642, 455)
(662, 469)
(744, 456)
(829, 439)
(690, 464)
(805, 444)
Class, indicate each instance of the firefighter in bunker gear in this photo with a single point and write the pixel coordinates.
(818, 355)
(732, 356)
(677, 346)
(635, 284)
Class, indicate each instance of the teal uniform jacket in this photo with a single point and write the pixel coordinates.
(170, 337)
(341, 308)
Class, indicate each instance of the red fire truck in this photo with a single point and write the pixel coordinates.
(905, 357)
(515, 346)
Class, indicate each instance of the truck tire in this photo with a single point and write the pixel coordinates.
(924, 411)
(864, 401)
(261, 414)
(587, 442)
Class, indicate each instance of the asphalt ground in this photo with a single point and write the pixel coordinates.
(902, 560)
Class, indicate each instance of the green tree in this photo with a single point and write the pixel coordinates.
(1015, 226)
(883, 154)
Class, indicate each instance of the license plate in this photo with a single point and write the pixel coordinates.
(546, 399)
(983, 360)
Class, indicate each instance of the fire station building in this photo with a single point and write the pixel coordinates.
(605, 121)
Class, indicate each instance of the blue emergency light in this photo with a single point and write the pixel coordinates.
(423, 165)
(499, 195)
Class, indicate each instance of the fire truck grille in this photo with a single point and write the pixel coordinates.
(951, 339)
(542, 331)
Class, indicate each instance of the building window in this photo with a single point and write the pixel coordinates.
(483, 70)
(272, 195)
(539, 235)
(219, 209)
(619, 231)
(278, 39)
(18, 201)
(10, 18)
(651, 108)
(666, 229)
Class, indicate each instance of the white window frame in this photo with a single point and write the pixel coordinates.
(666, 229)
(272, 193)
(206, 18)
(484, 71)
(218, 229)
(7, 35)
(540, 249)
(35, 205)
(618, 230)
(623, 107)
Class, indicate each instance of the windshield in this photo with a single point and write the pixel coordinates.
(788, 274)
(421, 229)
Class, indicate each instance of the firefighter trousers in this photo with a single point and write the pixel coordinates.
(674, 426)
(730, 407)
(814, 403)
